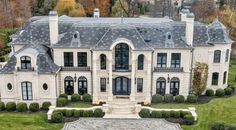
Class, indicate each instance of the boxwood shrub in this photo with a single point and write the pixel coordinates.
(87, 98)
(98, 113)
(61, 102)
(228, 91)
(87, 113)
(69, 113)
(63, 96)
(62, 111)
(209, 92)
(2, 106)
(192, 98)
(157, 98)
(168, 98)
(165, 114)
(11, 106)
(188, 119)
(220, 92)
(156, 114)
(144, 113)
(75, 98)
(46, 105)
(179, 98)
(183, 113)
(57, 117)
(78, 113)
(176, 114)
(218, 126)
(34, 107)
(21, 107)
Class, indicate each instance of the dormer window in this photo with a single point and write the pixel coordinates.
(75, 36)
(25, 62)
(168, 36)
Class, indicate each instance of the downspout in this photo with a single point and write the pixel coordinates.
(91, 62)
(191, 72)
(152, 74)
(57, 73)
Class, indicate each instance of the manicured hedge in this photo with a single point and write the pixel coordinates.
(98, 113)
(61, 102)
(11, 106)
(46, 105)
(75, 98)
(192, 98)
(156, 114)
(21, 107)
(2, 106)
(165, 114)
(183, 113)
(88, 113)
(188, 119)
(209, 92)
(175, 114)
(63, 96)
(157, 98)
(87, 98)
(168, 98)
(228, 91)
(179, 98)
(69, 113)
(78, 113)
(144, 113)
(34, 107)
(222, 126)
(220, 92)
(57, 117)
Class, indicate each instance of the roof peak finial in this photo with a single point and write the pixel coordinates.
(122, 16)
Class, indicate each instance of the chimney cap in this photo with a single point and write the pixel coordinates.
(53, 13)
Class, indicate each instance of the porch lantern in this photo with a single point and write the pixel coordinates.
(75, 78)
(168, 79)
(107, 80)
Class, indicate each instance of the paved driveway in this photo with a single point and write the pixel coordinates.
(121, 124)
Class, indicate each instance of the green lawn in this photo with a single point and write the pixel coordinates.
(80, 105)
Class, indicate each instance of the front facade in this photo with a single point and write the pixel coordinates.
(132, 58)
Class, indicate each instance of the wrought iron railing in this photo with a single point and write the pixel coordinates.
(116, 68)
(87, 68)
(168, 69)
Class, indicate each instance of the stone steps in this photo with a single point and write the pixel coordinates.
(122, 116)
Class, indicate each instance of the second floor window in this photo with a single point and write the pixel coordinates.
(103, 84)
(140, 62)
(103, 62)
(217, 54)
(139, 84)
(215, 77)
(82, 59)
(25, 62)
(161, 60)
(68, 59)
(227, 55)
(175, 60)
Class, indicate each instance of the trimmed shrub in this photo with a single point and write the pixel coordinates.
(34, 107)
(78, 113)
(2, 106)
(156, 114)
(228, 91)
(220, 92)
(63, 111)
(63, 96)
(192, 98)
(46, 105)
(87, 98)
(218, 126)
(69, 113)
(188, 119)
(61, 102)
(179, 98)
(11, 106)
(231, 127)
(168, 98)
(209, 92)
(183, 113)
(144, 113)
(157, 98)
(176, 114)
(21, 107)
(98, 113)
(165, 114)
(57, 117)
(88, 113)
(75, 98)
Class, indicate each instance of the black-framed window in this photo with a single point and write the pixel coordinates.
(82, 59)
(139, 84)
(217, 54)
(25, 62)
(227, 55)
(69, 85)
(174, 86)
(215, 78)
(161, 86)
(103, 62)
(83, 85)
(27, 91)
(122, 56)
(103, 84)
(224, 77)
(140, 62)
(161, 60)
(68, 59)
(175, 60)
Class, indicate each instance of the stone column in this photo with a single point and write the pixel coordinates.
(133, 85)
(95, 85)
(149, 80)
(110, 95)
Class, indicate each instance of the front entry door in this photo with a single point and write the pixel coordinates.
(121, 86)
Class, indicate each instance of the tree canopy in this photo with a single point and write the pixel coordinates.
(70, 8)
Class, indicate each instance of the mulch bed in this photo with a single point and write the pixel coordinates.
(175, 120)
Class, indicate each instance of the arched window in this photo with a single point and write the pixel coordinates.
(217, 54)
(82, 83)
(26, 88)
(140, 62)
(215, 78)
(69, 85)
(174, 86)
(224, 78)
(161, 86)
(227, 55)
(103, 62)
(25, 62)
(122, 56)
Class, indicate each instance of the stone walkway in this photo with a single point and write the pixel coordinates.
(121, 124)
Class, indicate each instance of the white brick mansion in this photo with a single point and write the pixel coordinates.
(112, 57)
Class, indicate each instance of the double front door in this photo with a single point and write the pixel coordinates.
(121, 86)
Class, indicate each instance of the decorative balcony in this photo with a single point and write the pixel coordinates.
(121, 69)
(87, 68)
(25, 70)
(168, 69)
